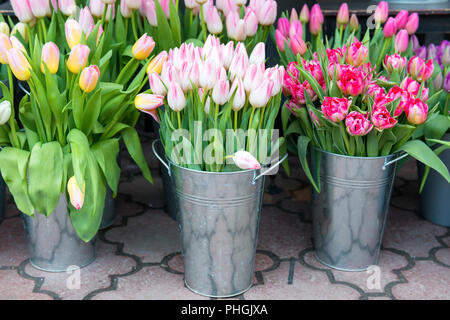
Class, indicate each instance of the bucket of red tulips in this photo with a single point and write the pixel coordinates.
(353, 124)
(217, 133)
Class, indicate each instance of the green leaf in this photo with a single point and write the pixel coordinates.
(165, 38)
(80, 149)
(175, 24)
(131, 139)
(105, 153)
(13, 165)
(421, 152)
(302, 148)
(437, 127)
(45, 170)
(91, 112)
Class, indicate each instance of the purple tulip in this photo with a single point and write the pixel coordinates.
(422, 52)
(437, 82)
(447, 83)
(431, 51)
(445, 58)
(415, 42)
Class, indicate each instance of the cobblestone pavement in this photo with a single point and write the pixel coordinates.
(138, 257)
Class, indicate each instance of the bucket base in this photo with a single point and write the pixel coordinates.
(338, 268)
(218, 297)
(36, 266)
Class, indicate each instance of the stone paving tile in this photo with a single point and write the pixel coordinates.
(13, 243)
(15, 287)
(307, 284)
(151, 283)
(427, 280)
(443, 256)
(143, 191)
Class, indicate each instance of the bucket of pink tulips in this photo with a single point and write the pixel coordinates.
(60, 164)
(354, 123)
(217, 131)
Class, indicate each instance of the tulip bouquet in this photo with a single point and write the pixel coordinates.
(72, 120)
(393, 36)
(216, 98)
(345, 107)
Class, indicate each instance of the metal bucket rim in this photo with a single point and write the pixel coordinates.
(210, 172)
(359, 158)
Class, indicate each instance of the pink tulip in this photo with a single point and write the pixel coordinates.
(381, 12)
(185, 77)
(258, 54)
(132, 4)
(238, 66)
(420, 70)
(239, 94)
(213, 21)
(315, 25)
(413, 23)
(382, 119)
(358, 124)
(297, 45)
(76, 195)
(86, 20)
(293, 16)
(251, 22)
(227, 54)
(148, 10)
(283, 26)
(253, 77)
(236, 28)
(208, 75)
(143, 47)
(221, 91)
(40, 8)
(149, 103)
(50, 57)
(304, 14)
(416, 111)
(89, 78)
(78, 58)
(335, 109)
(125, 10)
(73, 32)
(398, 93)
(401, 41)
(354, 24)
(280, 40)
(390, 28)
(296, 29)
(260, 96)
(351, 81)
(316, 11)
(228, 6)
(401, 18)
(357, 54)
(5, 45)
(22, 10)
(169, 74)
(165, 7)
(268, 13)
(192, 4)
(175, 97)
(394, 62)
(96, 6)
(68, 7)
(343, 15)
(246, 161)
(277, 79)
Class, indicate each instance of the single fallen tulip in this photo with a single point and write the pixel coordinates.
(246, 161)
(19, 64)
(75, 193)
(78, 58)
(50, 57)
(143, 47)
(89, 78)
(5, 111)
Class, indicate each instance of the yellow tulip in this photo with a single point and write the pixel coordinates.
(157, 63)
(73, 33)
(5, 45)
(75, 193)
(143, 47)
(23, 30)
(17, 44)
(19, 64)
(4, 28)
(89, 78)
(78, 58)
(50, 56)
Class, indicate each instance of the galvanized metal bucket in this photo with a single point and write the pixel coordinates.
(53, 243)
(435, 197)
(218, 215)
(351, 209)
(109, 212)
(2, 198)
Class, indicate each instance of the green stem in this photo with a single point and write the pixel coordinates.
(104, 15)
(37, 115)
(133, 24)
(235, 120)
(203, 22)
(447, 100)
(250, 125)
(179, 119)
(346, 141)
(383, 50)
(341, 29)
(44, 29)
(12, 118)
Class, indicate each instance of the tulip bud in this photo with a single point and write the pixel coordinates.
(148, 103)
(294, 15)
(413, 23)
(221, 91)
(5, 112)
(78, 58)
(148, 10)
(23, 30)
(268, 13)
(89, 78)
(438, 81)
(40, 8)
(297, 45)
(69, 7)
(73, 32)
(416, 111)
(304, 14)
(315, 26)
(75, 193)
(401, 18)
(5, 45)
(50, 57)
(175, 97)
(239, 96)
(125, 10)
(381, 12)
(401, 41)
(420, 70)
(157, 63)
(133, 4)
(394, 62)
(445, 58)
(283, 26)
(236, 28)
(86, 20)
(415, 42)
(390, 28)
(22, 10)
(4, 28)
(431, 51)
(246, 161)
(343, 15)
(260, 96)
(354, 24)
(446, 85)
(422, 52)
(251, 22)
(143, 47)
(97, 7)
(213, 21)
(19, 64)
(258, 54)
(253, 77)
(156, 84)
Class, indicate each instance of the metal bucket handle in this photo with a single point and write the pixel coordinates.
(388, 163)
(23, 88)
(159, 157)
(270, 169)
